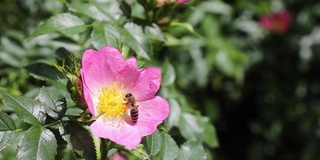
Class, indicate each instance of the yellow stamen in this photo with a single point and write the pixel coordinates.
(111, 102)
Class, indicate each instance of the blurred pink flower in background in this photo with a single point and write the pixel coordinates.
(107, 78)
(278, 22)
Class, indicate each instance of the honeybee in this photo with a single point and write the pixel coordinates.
(134, 112)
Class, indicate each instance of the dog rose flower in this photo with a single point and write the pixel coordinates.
(107, 78)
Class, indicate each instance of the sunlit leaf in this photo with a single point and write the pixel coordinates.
(198, 128)
(169, 74)
(88, 9)
(54, 102)
(66, 23)
(200, 69)
(218, 7)
(11, 53)
(38, 144)
(6, 139)
(192, 150)
(169, 149)
(27, 109)
(7, 128)
(137, 40)
(215, 7)
(187, 26)
(153, 143)
(10, 59)
(224, 63)
(189, 128)
(175, 113)
(105, 34)
(154, 32)
(209, 134)
(110, 8)
(6, 122)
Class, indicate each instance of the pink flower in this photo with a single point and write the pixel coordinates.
(107, 78)
(278, 22)
(116, 156)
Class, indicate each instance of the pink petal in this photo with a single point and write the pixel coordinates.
(147, 84)
(98, 67)
(151, 113)
(88, 95)
(128, 72)
(124, 134)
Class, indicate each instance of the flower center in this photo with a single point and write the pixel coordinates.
(111, 102)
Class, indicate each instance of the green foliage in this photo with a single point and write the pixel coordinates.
(153, 143)
(7, 128)
(137, 40)
(168, 148)
(192, 150)
(80, 139)
(37, 143)
(29, 110)
(73, 26)
(223, 75)
(53, 101)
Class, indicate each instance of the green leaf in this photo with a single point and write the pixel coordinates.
(66, 23)
(70, 155)
(153, 143)
(111, 10)
(9, 59)
(137, 40)
(139, 152)
(198, 128)
(187, 26)
(154, 32)
(105, 34)
(88, 10)
(54, 102)
(169, 74)
(192, 150)
(169, 149)
(6, 122)
(175, 114)
(199, 68)
(6, 139)
(189, 128)
(80, 139)
(7, 128)
(37, 144)
(217, 7)
(27, 109)
(43, 71)
(224, 63)
(209, 134)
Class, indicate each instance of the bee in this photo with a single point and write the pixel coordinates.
(134, 112)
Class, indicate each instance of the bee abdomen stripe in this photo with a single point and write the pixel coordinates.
(134, 115)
